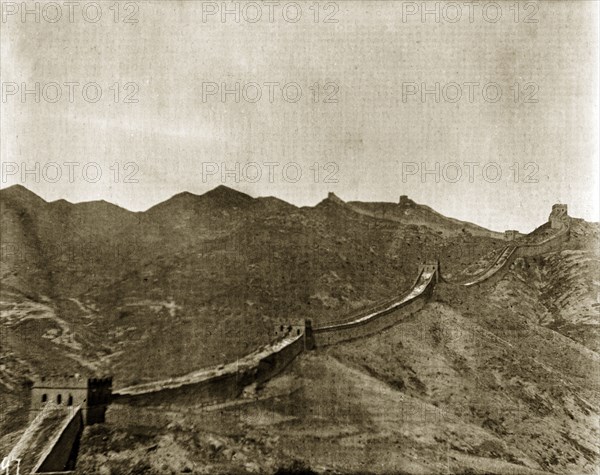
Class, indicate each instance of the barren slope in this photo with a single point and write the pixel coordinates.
(507, 373)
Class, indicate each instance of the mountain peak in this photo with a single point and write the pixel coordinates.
(225, 196)
(219, 197)
(335, 198)
(18, 189)
(21, 194)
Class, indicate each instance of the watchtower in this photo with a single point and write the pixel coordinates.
(92, 394)
(406, 202)
(559, 216)
(296, 329)
(284, 330)
(433, 266)
(511, 234)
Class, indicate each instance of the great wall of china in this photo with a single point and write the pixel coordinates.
(558, 222)
(50, 442)
(501, 264)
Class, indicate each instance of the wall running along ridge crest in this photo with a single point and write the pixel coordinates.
(502, 263)
(229, 381)
(382, 318)
(225, 382)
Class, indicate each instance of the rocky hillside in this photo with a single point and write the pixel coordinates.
(99, 285)
(201, 280)
(465, 386)
(477, 382)
(408, 211)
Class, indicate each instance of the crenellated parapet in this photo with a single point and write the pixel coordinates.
(304, 328)
(383, 315)
(559, 221)
(92, 394)
(64, 381)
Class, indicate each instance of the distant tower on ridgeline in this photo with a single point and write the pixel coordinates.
(406, 201)
(558, 217)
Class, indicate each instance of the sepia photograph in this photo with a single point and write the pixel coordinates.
(311, 237)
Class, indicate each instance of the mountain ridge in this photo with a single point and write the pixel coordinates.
(203, 279)
(221, 195)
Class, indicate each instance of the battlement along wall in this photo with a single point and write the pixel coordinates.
(383, 318)
(216, 385)
(352, 331)
(222, 387)
(274, 363)
(494, 272)
(552, 244)
(227, 382)
(501, 265)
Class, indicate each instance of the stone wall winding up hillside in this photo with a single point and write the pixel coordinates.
(380, 318)
(225, 382)
(502, 263)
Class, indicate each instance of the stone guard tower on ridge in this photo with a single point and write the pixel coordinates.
(558, 217)
(296, 329)
(92, 394)
(406, 201)
(511, 234)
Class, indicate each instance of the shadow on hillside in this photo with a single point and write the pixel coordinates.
(296, 468)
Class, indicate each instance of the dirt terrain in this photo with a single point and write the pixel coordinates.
(498, 379)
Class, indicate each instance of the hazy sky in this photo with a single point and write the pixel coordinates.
(361, 127)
